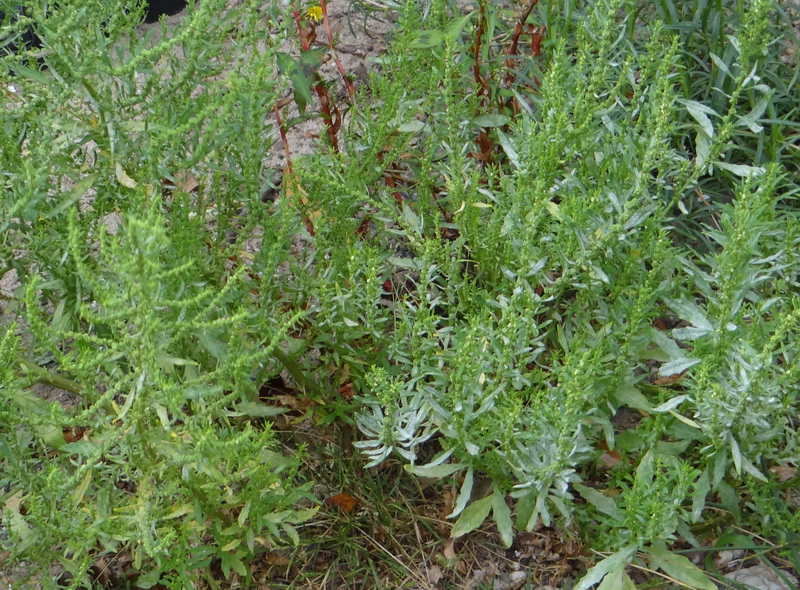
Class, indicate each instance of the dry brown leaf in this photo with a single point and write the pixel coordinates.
(75, 433)
(448, 500)
(185, 181)
(276, 559)
(346, 391)
(449, 550)
(345, 502)
(670, 379)
(379, 533)
(462, 567)
(610, 459)
(435, 574)
(297, 196)
(784, 472)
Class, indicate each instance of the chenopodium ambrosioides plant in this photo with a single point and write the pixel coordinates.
(176, 464)
(527, 332)
(169, 456)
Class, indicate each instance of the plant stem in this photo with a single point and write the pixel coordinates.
(45, 377)
(297, 373)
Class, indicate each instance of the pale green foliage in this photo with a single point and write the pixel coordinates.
(517, 340)
(600, 234)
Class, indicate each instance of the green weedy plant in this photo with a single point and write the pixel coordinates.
(132, 176)
(522, 234)
(534, 259)
(174, 466)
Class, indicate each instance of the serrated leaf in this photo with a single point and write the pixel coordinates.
(639, 216)
(609, 564)
(690, 312)
(721, 64)
(748, 466)
(455, 26)
(80, 189)
(473, 516)
(29, 73)
(434, 471)
(667, 344)
(508, 148)
(79, 447)
(736, 454)
(699, 113)
(491, 120)
(123, 178)
(465, 495)
(671, 404)
(291, 532)
(751, 118)
(259, 410)
(165, 361)
(427, 40)
(617, 580)
(179, 510)
(702, 148)
(689, 334)
(230, 545)
(502, 517)
(313, 58)
(701, 489)
(213, 345)
(628, 395)
(741, 170)
(411, 126)
(601, 502)
(80, 491)
(301, 84)
(553, 209)
(678, 567)
(677, 366)
(149, 580)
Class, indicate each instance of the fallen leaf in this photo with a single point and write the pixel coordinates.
(123, 178)
(449, 550)
(435, 574)
(276, 559)
(185, 181)
(379, 533)
(784, 472)
(462, 567)
(345, 502)
(610, 459)
(449, 502)
(670, 379)
(346, 391)
(297, 197)
(73, 434)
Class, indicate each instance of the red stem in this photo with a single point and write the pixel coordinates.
(351, 91)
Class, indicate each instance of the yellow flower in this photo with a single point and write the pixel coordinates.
(314, 14)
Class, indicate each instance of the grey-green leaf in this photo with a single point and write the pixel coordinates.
(609, 564)
(603, 503)
(434, 471)
(472, 517)
(502, 517)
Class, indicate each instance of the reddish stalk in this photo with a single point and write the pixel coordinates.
(484, 91)
(330, 113)
(512, 49)
(351, 91)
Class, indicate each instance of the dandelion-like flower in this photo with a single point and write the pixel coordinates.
(314, 13)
